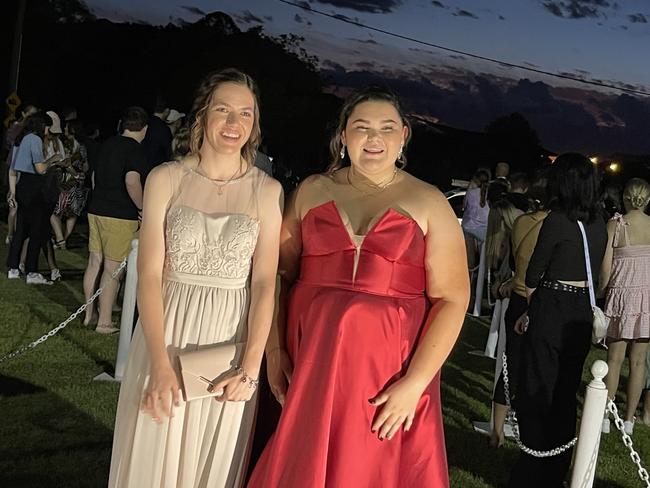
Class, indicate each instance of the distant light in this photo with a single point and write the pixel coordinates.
(552, 158)
(614, 167)
(594, 159)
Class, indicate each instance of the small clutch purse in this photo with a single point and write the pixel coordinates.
(204, 367)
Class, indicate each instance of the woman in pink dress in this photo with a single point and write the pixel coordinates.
(374, 292)
(626, 274)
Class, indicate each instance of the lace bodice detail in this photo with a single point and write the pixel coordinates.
(210, 245)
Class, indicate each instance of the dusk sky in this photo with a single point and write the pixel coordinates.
(600, 40)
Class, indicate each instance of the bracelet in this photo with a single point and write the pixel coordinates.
(252, 383)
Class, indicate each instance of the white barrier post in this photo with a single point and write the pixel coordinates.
(586, 457)
(126, 320)
(478, 296)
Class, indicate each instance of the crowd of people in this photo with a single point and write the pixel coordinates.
(540, 284)
(354, 290)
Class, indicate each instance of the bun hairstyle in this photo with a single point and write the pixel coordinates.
(637, 193)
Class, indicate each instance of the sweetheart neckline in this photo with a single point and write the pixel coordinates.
(332, 204)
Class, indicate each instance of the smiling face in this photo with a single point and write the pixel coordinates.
(374, 134)
(229, 118)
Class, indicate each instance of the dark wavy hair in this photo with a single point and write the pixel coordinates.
(34, 124)
(203, 99)
(573, 187)
(369, 94)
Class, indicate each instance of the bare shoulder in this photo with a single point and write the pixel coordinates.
(425, 193)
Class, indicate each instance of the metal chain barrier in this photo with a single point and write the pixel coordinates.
(627, 440)
(512, 419)
(63, 324)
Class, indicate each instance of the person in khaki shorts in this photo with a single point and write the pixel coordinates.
(114, 212)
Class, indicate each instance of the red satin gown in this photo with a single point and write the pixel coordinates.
(348, 339)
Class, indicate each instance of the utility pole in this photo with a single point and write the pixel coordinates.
(18, 42)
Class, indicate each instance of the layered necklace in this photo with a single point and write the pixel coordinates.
(221, 184)
(375, 187)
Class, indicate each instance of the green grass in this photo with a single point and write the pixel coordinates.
(56, 428)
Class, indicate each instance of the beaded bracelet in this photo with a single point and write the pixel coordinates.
(252, 383)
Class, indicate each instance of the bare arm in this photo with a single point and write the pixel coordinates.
(13, 178)
(42, 167)
(151, 257)
(279, 367)
(134, 188)
(447, 289)
(606, 267)
(263, 278)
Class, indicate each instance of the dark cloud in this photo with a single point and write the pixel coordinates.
(365, 65)
(501, 17)
(457, 56)
(247, 17)
(638, 19)
(564, 119)
(371, 6)
(438, 4)
(303, 4)
(346, 18)
(363, 41)
(302, 20)
(193, 10)
(579, 9)
(464, 13)
(268, 18)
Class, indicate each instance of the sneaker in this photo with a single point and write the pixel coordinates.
(55, 274)
(605, 427)
(37, 279)
(13, 274)
(8, 239)
(628, 426)
(21, 268)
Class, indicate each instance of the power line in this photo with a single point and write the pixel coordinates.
(340, 18)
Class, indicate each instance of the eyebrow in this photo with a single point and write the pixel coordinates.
(221, 102)
(386, 121)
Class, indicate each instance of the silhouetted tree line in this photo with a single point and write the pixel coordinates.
(71, 58)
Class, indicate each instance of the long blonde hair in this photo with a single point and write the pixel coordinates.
(203, 99)
(637, 193)
(501, 218)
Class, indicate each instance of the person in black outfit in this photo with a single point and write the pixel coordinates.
(157, 143)
(32, 182)
(114, 211)
(558, 336)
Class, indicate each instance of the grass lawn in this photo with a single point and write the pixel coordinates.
(57, 427)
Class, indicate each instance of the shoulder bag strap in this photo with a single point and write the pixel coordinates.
(590, 281)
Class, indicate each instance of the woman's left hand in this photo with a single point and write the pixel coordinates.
(234, 389)
(398, 403)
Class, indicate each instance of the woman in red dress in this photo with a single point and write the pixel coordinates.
(374, 292)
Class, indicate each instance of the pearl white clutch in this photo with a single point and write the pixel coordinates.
(207, 366)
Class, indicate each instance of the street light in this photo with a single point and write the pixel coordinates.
(594, 159)
(614, 167)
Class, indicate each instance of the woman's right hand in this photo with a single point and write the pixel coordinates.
(11, 200)
(162, 393)
(279, 370)
(522, 323)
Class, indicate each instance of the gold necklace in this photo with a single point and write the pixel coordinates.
(379, 187)
(221, 184)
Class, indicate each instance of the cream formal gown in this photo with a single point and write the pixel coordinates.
(210, 235)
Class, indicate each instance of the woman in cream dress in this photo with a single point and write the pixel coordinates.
(207, 263)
